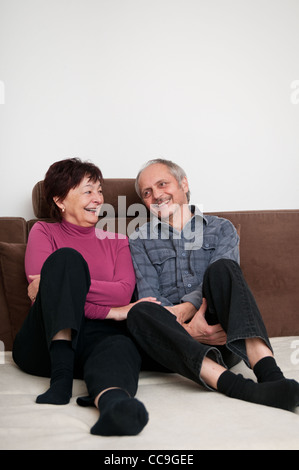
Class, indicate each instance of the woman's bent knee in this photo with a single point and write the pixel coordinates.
(64, 258)
(65, 255)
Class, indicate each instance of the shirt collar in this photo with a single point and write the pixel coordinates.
(157, 224)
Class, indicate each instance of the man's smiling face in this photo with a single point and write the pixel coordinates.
(161, 192)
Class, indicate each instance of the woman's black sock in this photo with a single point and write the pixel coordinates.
(62, 367)
(120, 415)
(266, 370)
(279, 394)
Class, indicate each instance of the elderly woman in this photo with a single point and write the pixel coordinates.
(81, 285)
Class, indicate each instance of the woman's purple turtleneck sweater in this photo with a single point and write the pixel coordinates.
(107, 255)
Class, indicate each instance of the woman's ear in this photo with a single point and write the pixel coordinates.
(58, 203)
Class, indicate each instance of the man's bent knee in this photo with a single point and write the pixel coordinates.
(223, 264)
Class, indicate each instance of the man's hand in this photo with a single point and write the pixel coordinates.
(204, 333)
(183, 311)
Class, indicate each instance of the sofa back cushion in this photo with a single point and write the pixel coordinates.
(269, 253)
(13, 230)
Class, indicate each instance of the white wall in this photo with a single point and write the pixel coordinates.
(207, 83)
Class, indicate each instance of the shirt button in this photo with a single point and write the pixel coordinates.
(189, 285)
(207, 245)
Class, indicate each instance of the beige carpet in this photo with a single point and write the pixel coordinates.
(182, 414)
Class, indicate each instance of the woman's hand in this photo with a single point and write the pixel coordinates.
(33, 286)
(121, 313)
(204, 333)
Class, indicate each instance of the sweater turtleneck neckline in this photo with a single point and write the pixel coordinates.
(77, 230)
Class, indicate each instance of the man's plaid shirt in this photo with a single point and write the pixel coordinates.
(170, 265)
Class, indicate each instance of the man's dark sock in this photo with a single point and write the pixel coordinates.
(120, 415)
(266, 370)
(279, 394)
(62, 366)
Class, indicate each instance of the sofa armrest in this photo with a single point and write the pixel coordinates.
(14, 301)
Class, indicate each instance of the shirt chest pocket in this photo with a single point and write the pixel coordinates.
(164, 260)
(209, 245)
(200, 259)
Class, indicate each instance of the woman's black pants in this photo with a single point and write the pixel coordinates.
(230, 303)
(105, 355)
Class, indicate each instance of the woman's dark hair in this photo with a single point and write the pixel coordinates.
(65, 175)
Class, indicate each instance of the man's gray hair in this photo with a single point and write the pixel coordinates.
(174, 169)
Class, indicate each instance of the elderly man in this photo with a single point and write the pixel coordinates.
(207, 319)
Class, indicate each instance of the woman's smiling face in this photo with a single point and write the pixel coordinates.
(82, 203)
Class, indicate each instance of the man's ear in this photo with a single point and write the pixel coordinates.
(185, 185)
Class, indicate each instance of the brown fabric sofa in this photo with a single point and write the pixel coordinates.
(182, 414)
(269, 248)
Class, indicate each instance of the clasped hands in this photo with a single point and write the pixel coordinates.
(198, 327)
